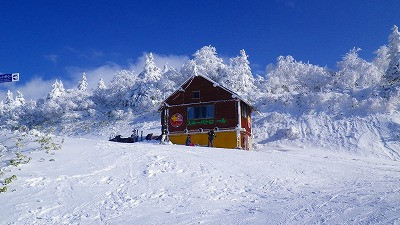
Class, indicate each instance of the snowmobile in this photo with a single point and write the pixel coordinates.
(118, 138)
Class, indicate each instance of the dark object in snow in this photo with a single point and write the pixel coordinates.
(149, 137)
(118, 138)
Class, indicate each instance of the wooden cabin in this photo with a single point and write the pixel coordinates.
(201, 105)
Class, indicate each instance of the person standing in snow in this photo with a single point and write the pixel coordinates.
(133, 135)
(163, 137)
(189, 141)
(211, 137)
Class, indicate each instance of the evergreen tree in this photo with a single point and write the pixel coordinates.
(19, 99)
(356, 73)
(101, 85)
(9, 98)
(83, 84)
(57, 91)
(209, 64)
(121, 86)
(295, 77)
(239, 77)
(1, 108)
(150, 71)
(381, 60)
(392, 74)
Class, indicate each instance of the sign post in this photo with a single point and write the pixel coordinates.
(9, 77)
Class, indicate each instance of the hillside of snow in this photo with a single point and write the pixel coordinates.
(93, 181)
(371, 136)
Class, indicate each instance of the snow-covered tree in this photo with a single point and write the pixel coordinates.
(239, 77)
(9, 98)
(121, 85)
(1, 108)
(170, 81)
(209, 64)
(356, 73)
(381, 61)
(83, 84)
(19, 99)
(189, 69)
(57, 91)
(100, 93)
(294, 77)
(101, 85)
(392, 75)
(150, 71)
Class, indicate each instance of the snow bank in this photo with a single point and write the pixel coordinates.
(373, 135)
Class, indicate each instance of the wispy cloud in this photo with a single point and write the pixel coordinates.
(52, 58)
(90, 54)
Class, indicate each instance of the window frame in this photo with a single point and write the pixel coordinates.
(193, 93)
(208, 110)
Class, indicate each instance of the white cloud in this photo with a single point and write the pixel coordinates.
(93, 75)
(33, 89)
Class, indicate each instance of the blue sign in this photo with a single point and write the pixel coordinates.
(9, 77)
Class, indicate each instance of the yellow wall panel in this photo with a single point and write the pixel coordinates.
(225, 139)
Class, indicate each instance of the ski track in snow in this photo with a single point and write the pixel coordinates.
(100, 182)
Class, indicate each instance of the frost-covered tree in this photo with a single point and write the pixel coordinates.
(356, 73)
(291, 76)
(392, 75)
(239, 77)
(150, 70)
(9, 98)
(57, 91)
(121, 85)
(209, 64)
(101, 85)
(83, 84)
(100, 93)
(170, 81)
(1, 108)
(381, 61)
(146, 93)
(19, 99)
(188, 69)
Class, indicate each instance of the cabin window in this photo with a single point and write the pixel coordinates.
(196, 94)
(244, 110)
(200, 112)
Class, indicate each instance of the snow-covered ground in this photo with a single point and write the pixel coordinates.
(93, 181)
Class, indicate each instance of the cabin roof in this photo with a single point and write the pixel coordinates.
(186, 84)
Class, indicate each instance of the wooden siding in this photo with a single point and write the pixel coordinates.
(207, 90)
(225, 117)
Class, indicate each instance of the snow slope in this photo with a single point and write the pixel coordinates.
(376, 135)
(92, 181)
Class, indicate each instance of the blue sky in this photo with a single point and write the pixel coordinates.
(47, 40)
